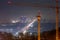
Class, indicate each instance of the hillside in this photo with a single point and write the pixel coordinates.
(49, 35)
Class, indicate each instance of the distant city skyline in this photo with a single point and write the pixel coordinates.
(13, 12)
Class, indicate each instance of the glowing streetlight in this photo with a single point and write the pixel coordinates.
(39, 18)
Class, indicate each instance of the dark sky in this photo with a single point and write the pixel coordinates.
(14, 9)
(10, 9)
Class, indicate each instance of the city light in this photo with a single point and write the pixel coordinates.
(30, 33)
(7, 30)
(28, 26)
(24, 32)
(15, 21)
(23, 20)
(32, 25)
(3, 25)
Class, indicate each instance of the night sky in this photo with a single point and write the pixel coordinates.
(16, 14)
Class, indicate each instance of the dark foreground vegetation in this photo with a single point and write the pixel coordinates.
(49, 35)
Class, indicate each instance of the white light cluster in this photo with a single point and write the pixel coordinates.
(23, 19)
(30, 33)
(15, 21)
(6, 30)
(24, 32)
(28, 26)
(32, 25)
